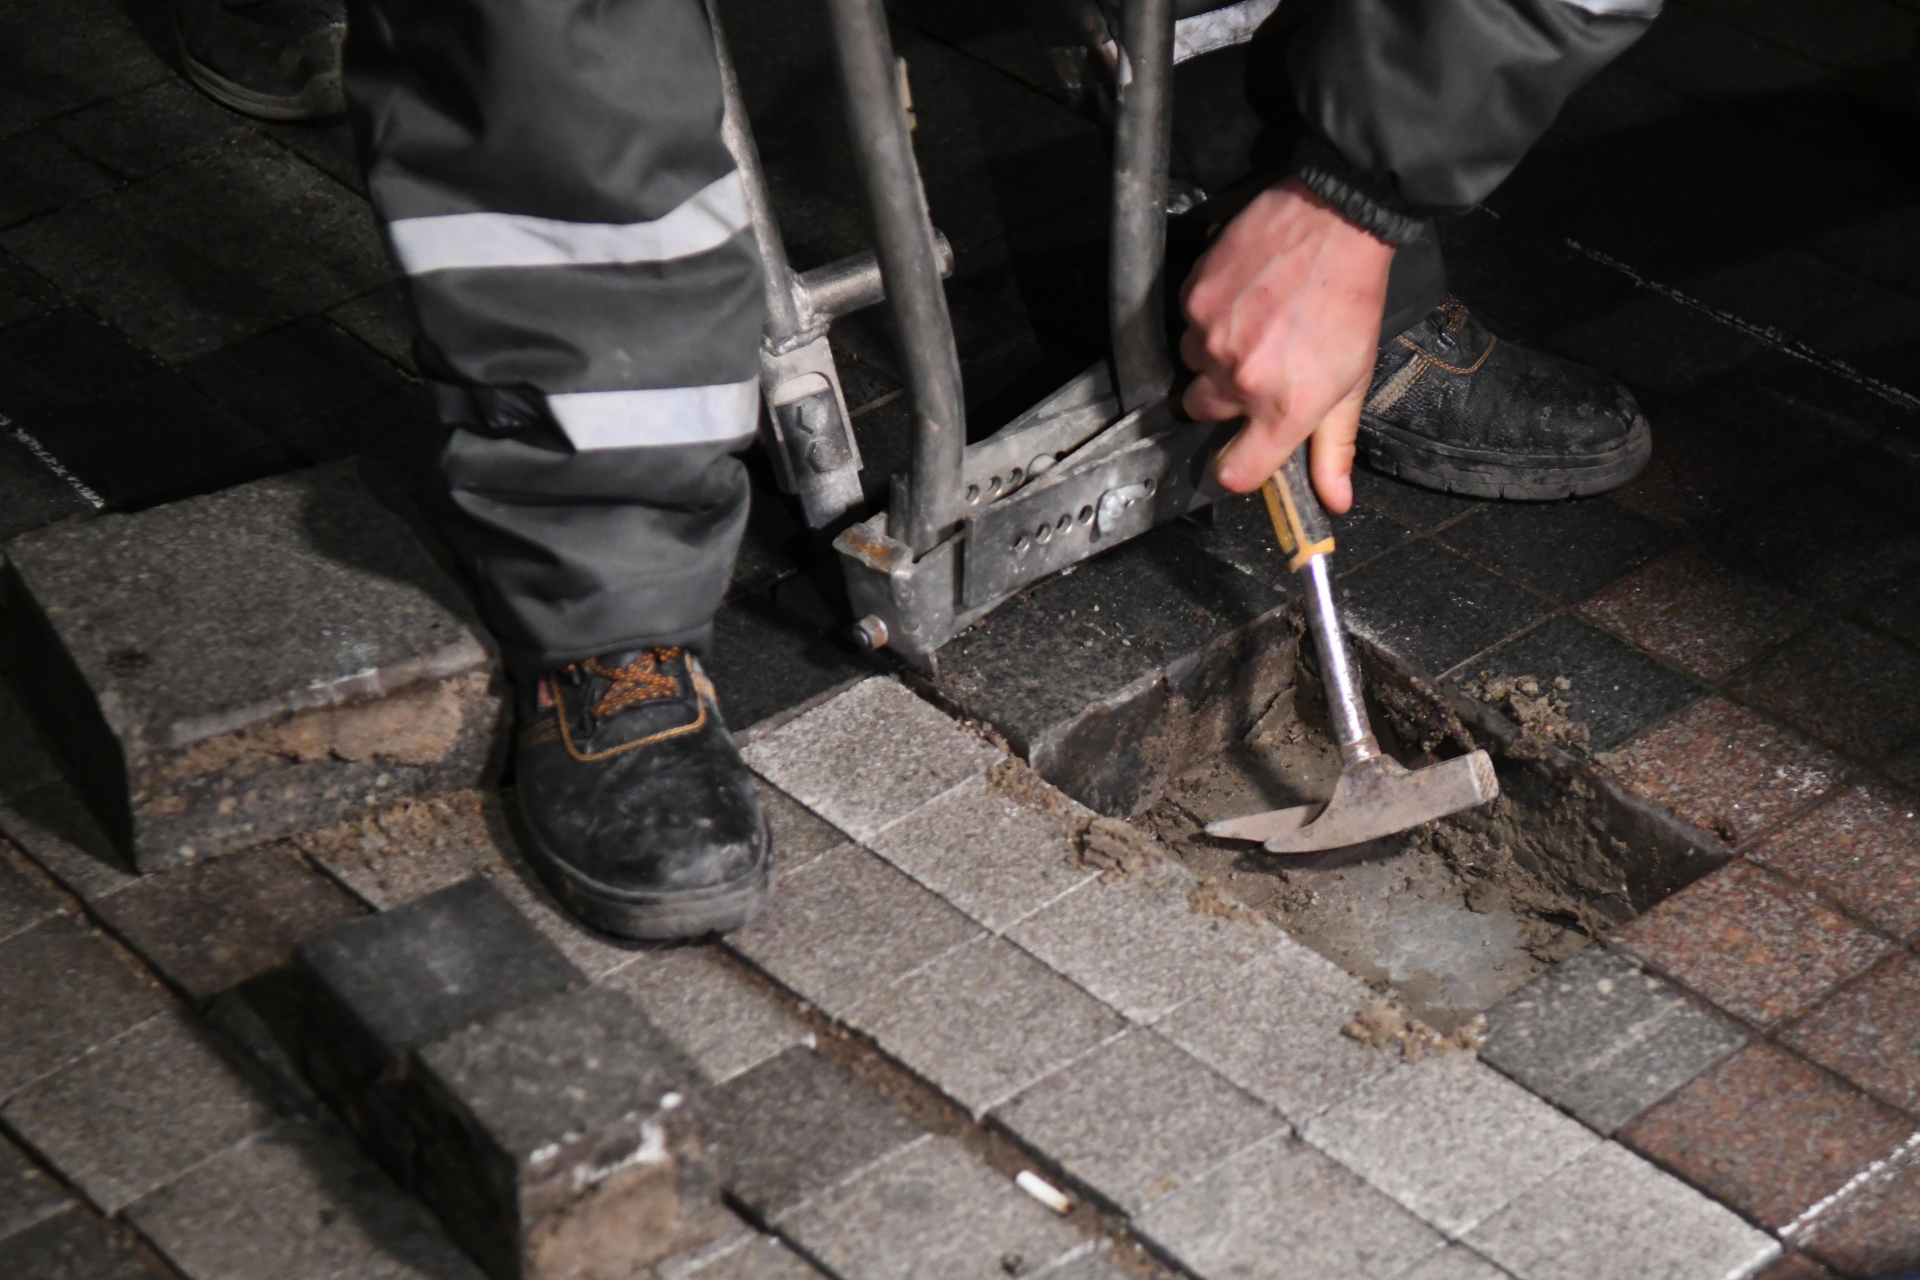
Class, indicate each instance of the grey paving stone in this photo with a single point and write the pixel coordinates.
(869, 757)
(295, 1203)
(760, 1258)
(292, 374)
(138, 1111)
(593, 953)
(211, 924)
(1273, 1028)
(64, 988)
(1455, 1262)
(931, 1210)
(1612, 1216)
(847, 926)
(1088, 1266)
(144, 131)
(63, 56)
(392, 856)
(1136, 1118)
(39, 173)
(1598, 1035)
(32, 496)
(1138, 943)
(74, 1245)
(380, 318)
(799, 836)
(1449, 1138)
(27, 1195)
(211, 251)
(795, 1126)
(1284, 1200)
(548, 1135)
(994, 858)
(25, 897)
(270, 658)
(985, 1021)
(726, 1022)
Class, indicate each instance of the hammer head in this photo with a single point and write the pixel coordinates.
(1374, 798)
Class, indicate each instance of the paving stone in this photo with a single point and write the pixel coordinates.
(1826, 540)
(149, 129)
(139, 1111)
(1415, 506)
(993, 857)
(27, 1196)
(594, 953)
(1448, 1138)
(1455, 1262)
(760, 1258)
(799, 835)
(1767, 1134)
(25, 897)
(796, 1126)
(1139, 943)
(723, 1020)
(1725, 769)
(1869, 1032)
(557, 1141)
(1241, 533)
(74, 1245)
(288, 375)
(295, 1203)
(51, 824)
(62, 58)
(1896, 610)
(382, 319)
(1564, 550)
(869, 757)
(1862, 848)
(391, 856)
(1432, 607)
(65, 358)
(1700, 615)
(1088, 1266)
(1615, 693)
(272, 658)
(210, 252)
(1283, 1199)
(32, 496)
(1751, 942)
(846, 926)
(397, 427)
(984, 1021)
(1875, 1229)
(209, 925)
(1273, 1028)
(1602, 1038)
(1794, 1266)
(765, 660)
(1843, 684)
(64, 989)
(327, 145)
(1609, 1216)
(1136, 1119)
(39, 173)
(933, 1209)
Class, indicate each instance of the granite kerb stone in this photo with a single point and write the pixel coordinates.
(231, 668)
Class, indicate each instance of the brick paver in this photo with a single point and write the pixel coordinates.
(1863, 848)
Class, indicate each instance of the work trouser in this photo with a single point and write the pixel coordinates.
(552, 179)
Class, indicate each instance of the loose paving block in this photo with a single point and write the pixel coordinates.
(796, 1126)
(1751, 942)
(996, 859)
(1136, 1119)
(295, 1203)
(74, 1245)
(211, 924)
(1139, 943)
(723, 1020)
(139, 1111)
(1869, 1032)
(64, 989)
(869, 757)
(933, 1209)
(1284, 1200)
(1700, 615)
(984, 1021)
(1273, 1028)
(1610, 1216)
(559, 1140)
(1724, 769)
(25, 897)
(1874, 1230)
(1449, 1138)
(233, 668)
(1603, 1038)
(1768, 1134)
(846, 926)
(27, 1196)
(1863, 848)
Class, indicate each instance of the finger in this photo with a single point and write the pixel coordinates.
(1335, 442)
(1206, 402)
(1253, 455)
(1193, 348)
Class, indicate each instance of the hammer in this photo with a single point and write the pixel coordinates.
(1375, 795)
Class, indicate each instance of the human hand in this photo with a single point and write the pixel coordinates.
(1284, 322)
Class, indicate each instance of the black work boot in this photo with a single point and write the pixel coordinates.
(1454, 408)
(642, 814)
(272, 59)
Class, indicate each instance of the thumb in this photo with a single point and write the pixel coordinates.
(1335, 441)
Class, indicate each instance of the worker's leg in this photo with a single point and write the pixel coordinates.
(553, 181)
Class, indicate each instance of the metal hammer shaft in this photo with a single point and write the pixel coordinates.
(1306, 534)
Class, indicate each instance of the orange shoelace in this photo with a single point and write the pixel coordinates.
(639, 681)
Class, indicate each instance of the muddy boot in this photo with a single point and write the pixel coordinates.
(1454, 408)
(272, 59)
(642, 815)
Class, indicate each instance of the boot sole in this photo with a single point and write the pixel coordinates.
(655, 917)
(321, 98)
(1484, 473)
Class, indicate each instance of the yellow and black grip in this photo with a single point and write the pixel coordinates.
(1299, 521)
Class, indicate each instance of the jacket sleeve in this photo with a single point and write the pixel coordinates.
(1414, 107)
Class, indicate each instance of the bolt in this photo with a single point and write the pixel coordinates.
(870, 634)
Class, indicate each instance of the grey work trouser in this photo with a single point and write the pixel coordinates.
(552, 179)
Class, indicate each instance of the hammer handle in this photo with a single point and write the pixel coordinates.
(1299, 522)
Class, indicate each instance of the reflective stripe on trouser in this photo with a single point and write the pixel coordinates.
(553, 181)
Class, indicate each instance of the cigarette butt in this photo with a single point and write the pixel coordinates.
(1043, 1191)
